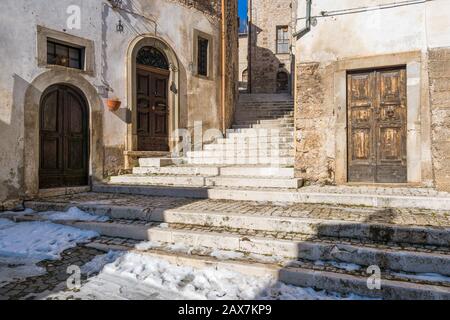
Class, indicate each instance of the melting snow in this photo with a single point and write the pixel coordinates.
(72, 214)
(136, 276)
(22, 245)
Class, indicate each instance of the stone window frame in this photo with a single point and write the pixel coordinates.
(44, 34)
(418, 109)
(210, 73)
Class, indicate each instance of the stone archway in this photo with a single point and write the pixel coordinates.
(173, 88)
(33, 96)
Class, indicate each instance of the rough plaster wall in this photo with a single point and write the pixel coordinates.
(200, 99)
(314, 124)
(439, 73)
(266, 15)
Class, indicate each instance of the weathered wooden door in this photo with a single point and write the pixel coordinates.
(152, 110)
(377, 126)
(63, 137)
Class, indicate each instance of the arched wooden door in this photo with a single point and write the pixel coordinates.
(152, 77)
(64, 138)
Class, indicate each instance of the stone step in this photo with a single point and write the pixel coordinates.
(169, 180)
(178, 170)
(254, 140)
(275, 161)
(241, 240)
(254, 182)
(307, 275)
(204, 181)
(262, 134)
(313, 221)
(303, 195)
(263, 126)
(233, 153)
(155, 162)
(233, 145)
(289, 120)
(299, 273)
(243, 171)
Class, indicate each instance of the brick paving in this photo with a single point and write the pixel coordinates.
(56, 274)
(394, 216)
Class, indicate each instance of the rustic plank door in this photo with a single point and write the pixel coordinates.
(152, 110)
(64, 141)
(377, 126)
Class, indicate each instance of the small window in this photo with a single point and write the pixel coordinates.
(64, 55)
(202, 63)
(282, 39)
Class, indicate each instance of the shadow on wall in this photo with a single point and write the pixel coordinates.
(11, 144)
(267, 73)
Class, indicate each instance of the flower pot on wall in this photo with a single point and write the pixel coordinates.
(113, 104)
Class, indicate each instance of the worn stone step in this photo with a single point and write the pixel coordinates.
(202, 181)
(394, 259)
(282, 121)
(288, 196)
(302, 276)
(255, 182)
(174, 180)
(155, 162)
(352, 223)
(235, 145)
(235, 153)
(281, 161)
(300, 273)
(263, 126)
(255, 140)
(178, 170)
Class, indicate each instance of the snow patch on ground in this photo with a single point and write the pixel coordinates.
(136, 276)
(24, 244)
(72, 214)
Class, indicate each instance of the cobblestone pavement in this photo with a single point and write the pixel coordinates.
(56, 274)
(395, 216)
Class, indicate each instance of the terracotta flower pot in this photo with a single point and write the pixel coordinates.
(113, 104)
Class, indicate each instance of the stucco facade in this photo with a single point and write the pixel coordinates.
(265, 60)
(415, 36)
(171, 26)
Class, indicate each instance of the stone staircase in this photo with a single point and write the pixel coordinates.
(258, 152)
(327, 247)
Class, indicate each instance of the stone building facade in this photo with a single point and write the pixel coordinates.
(243, 60)
(160, 59)
(375, 110)
(270, 56)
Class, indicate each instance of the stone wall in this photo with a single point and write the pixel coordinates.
(264, 62)
(439, 76)
(314, 122)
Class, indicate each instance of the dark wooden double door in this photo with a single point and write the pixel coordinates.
(64, 138)
(377, 118)
(152, 109)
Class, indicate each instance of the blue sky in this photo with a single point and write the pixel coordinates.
(242, 8)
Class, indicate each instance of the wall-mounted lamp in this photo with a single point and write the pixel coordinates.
(115, 3)
(119, 26)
